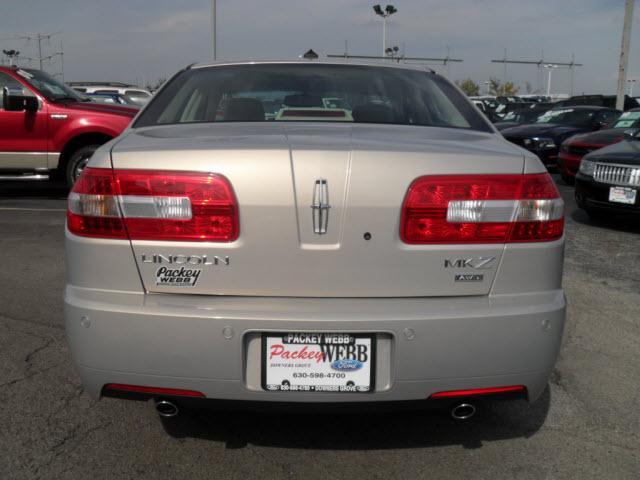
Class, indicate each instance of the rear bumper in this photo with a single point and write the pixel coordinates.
(208, 344)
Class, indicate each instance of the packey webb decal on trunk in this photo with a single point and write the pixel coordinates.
(177, 277)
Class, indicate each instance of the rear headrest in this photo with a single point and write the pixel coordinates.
(244, 110)
(303, 101)
(372, 113)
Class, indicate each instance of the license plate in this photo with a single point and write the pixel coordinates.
(318, 362)
(622, 195)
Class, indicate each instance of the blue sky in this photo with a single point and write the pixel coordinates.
(132, 40)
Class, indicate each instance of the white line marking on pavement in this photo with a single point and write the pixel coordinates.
(18, 209)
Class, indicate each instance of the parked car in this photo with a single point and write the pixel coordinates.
(133, 94)
(608, 180)
(107, 87)
(551, 129)
(490, 102)
(403, 255)
(111, 99)
(481, 105)
(505, 99)
(488, 106)
(505, 108)
(140, 99)
(525, 114)
(608, 101)
(486, 110)
(574, 148)
(536, 98)
(49, 130)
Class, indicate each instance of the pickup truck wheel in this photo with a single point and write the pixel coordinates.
(77, 162)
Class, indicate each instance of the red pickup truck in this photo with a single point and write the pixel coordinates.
(48, 130)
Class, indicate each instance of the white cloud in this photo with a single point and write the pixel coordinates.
(176, 22)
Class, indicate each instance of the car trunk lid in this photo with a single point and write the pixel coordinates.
(319, 208)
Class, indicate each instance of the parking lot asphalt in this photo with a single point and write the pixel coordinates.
(586, 425)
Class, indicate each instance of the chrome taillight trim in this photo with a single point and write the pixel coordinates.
(488, 211)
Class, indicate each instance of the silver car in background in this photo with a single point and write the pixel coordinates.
(248, 240)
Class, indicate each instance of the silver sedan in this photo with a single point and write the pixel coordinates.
(314, 232)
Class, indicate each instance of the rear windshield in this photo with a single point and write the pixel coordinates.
(311, 92)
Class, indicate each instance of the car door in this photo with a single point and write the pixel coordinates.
(23, 135)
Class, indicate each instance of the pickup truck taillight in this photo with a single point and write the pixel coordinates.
(482, 209)
(153, 205)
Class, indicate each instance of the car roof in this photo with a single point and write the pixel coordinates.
(359, 63)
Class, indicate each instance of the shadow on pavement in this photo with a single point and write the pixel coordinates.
(33, 190)
(497, 420)
(621, 223)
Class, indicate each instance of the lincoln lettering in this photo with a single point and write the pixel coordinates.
(185, 259)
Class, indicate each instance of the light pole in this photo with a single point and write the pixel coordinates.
(550, 67)
(213, 29)
(387, 12)
(12, 54)
(624, 53)
(391, 51)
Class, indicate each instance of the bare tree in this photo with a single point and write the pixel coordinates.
(497, 88)
(469, 87)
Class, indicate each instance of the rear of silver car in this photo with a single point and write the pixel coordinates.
(313, 261)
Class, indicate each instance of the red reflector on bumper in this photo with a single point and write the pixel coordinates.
(153, 390)
(479, 391)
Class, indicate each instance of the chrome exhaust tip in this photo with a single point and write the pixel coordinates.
(463, 411)
(166, 408)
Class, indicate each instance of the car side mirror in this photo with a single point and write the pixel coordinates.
(630, 134)
(15, 100)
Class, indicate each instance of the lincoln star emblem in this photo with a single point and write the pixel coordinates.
(320, 207)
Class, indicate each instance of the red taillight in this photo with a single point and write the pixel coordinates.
(153, 390)
(480, 391)
(153, 205)
(93, 207)
(482, 209)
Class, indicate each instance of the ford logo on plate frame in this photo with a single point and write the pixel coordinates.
(346, 365)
